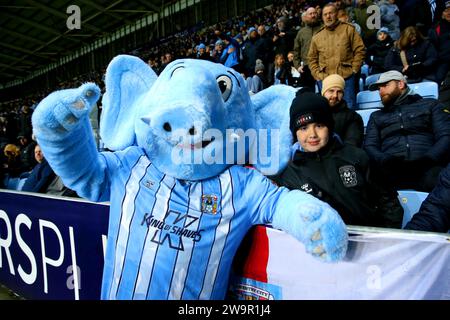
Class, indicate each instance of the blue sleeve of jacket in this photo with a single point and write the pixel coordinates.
(38, 177)
(440, 151)
(434, 214)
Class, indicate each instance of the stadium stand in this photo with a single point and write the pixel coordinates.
(368, 100)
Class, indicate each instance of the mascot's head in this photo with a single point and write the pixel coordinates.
(196, 118)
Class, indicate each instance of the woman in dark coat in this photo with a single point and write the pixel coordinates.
(413, 55)
(377, 52)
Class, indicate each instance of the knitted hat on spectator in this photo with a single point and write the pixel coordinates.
(201, 46)
(250, 30)
(384, 30)
(447, 4)
(333, 80)
(308, 107)
(259, 66)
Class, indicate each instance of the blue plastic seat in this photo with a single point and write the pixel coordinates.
(411, 201)
(365, 115)
(368, 100)
(427, 89)
(371, 79)
(361, 84)
(365, 70)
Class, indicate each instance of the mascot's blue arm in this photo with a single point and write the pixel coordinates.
(313, 222)
(62, 129)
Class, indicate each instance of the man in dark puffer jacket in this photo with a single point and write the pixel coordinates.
(409, 139)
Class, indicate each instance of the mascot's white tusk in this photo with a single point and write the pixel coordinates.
(147, 120)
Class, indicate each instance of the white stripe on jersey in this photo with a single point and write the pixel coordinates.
(150, 247)
(221, 235)
(128, 206)
(182, 265)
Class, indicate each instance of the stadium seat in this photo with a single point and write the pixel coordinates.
(368, 100)
(427, 89)
(410, 201)
(365, 115)
(365, 70)
(12, 183)
(361, 84)
(371, 79)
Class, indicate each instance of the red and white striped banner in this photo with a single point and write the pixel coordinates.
(380, 264)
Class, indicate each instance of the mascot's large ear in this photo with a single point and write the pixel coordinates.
(273, 147)
(127, 79)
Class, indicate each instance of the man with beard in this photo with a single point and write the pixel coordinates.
(409, 138)
(301, 46)
(348, 124)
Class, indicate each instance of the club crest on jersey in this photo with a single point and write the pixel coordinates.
(348, 176)
(306, 187)
(209, 203)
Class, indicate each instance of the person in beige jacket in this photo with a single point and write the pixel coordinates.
(336, 49)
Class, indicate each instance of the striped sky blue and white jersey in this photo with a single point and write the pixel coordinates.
(175, 239)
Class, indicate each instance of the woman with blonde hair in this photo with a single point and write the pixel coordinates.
(280, 72)
(413, 55)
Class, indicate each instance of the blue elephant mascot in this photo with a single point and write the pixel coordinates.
(181, 199)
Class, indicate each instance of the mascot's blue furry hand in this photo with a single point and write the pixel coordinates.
(61, 111)
(326, 234)
(315, 223)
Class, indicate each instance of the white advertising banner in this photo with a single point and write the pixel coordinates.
(380, 264)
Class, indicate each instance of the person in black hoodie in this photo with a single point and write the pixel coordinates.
(348, 124)
(334, 172)
(376, 53)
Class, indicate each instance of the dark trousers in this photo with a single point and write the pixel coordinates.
(405, 177)
(306, 79)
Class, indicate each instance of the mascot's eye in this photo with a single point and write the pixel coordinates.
(225, 85)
